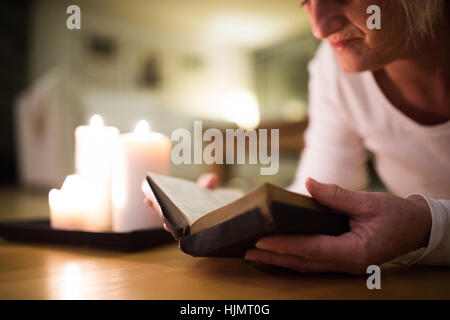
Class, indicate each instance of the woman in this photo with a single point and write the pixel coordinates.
(386, 91)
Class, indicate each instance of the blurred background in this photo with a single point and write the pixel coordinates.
(169, 62)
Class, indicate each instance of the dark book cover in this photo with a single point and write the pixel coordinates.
(234, 228)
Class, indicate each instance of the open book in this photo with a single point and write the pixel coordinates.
(226, 222)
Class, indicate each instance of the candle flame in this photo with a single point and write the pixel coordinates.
(71, 182)
(96, 121)
(142, 127)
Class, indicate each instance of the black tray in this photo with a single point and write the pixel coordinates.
(40, 231)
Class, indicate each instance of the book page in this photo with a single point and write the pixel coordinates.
(193, 200)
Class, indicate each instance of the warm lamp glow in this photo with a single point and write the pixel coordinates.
(242, 108)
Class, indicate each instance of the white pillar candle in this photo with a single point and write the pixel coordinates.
(70, 206)
(139, 152)
(95, 147)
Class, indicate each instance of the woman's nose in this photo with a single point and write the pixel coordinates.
(326, 18)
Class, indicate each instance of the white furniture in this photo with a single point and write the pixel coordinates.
(45, 119)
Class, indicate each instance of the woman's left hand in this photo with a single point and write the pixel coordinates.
(382, 227)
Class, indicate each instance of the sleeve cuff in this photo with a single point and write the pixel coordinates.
(439, 227)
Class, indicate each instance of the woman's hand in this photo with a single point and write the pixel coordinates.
(382, 227)
(207, 180)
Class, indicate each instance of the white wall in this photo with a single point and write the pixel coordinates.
(194, 93)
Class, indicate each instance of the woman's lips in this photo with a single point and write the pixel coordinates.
(341, 44)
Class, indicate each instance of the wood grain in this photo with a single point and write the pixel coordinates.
(58, 272)
(44, 272)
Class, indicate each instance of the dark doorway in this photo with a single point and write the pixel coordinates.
(14, 28)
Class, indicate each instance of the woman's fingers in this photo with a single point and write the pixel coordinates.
(149, 203)
(302, 264)
(290, 261)
(312, 247)
(208, 180)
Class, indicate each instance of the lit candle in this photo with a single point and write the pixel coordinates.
(139, 152)
(70, 206)
(95, 146)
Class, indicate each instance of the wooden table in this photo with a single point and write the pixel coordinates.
(31, 271)
(52, 272)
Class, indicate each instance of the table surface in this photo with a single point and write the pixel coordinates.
(34, 271)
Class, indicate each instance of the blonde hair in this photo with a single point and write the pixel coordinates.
(422, 18)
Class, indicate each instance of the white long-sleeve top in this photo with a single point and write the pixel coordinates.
(349, 115)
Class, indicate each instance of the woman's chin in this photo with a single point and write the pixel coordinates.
(354, 64)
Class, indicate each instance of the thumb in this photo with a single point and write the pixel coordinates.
(334, 197)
